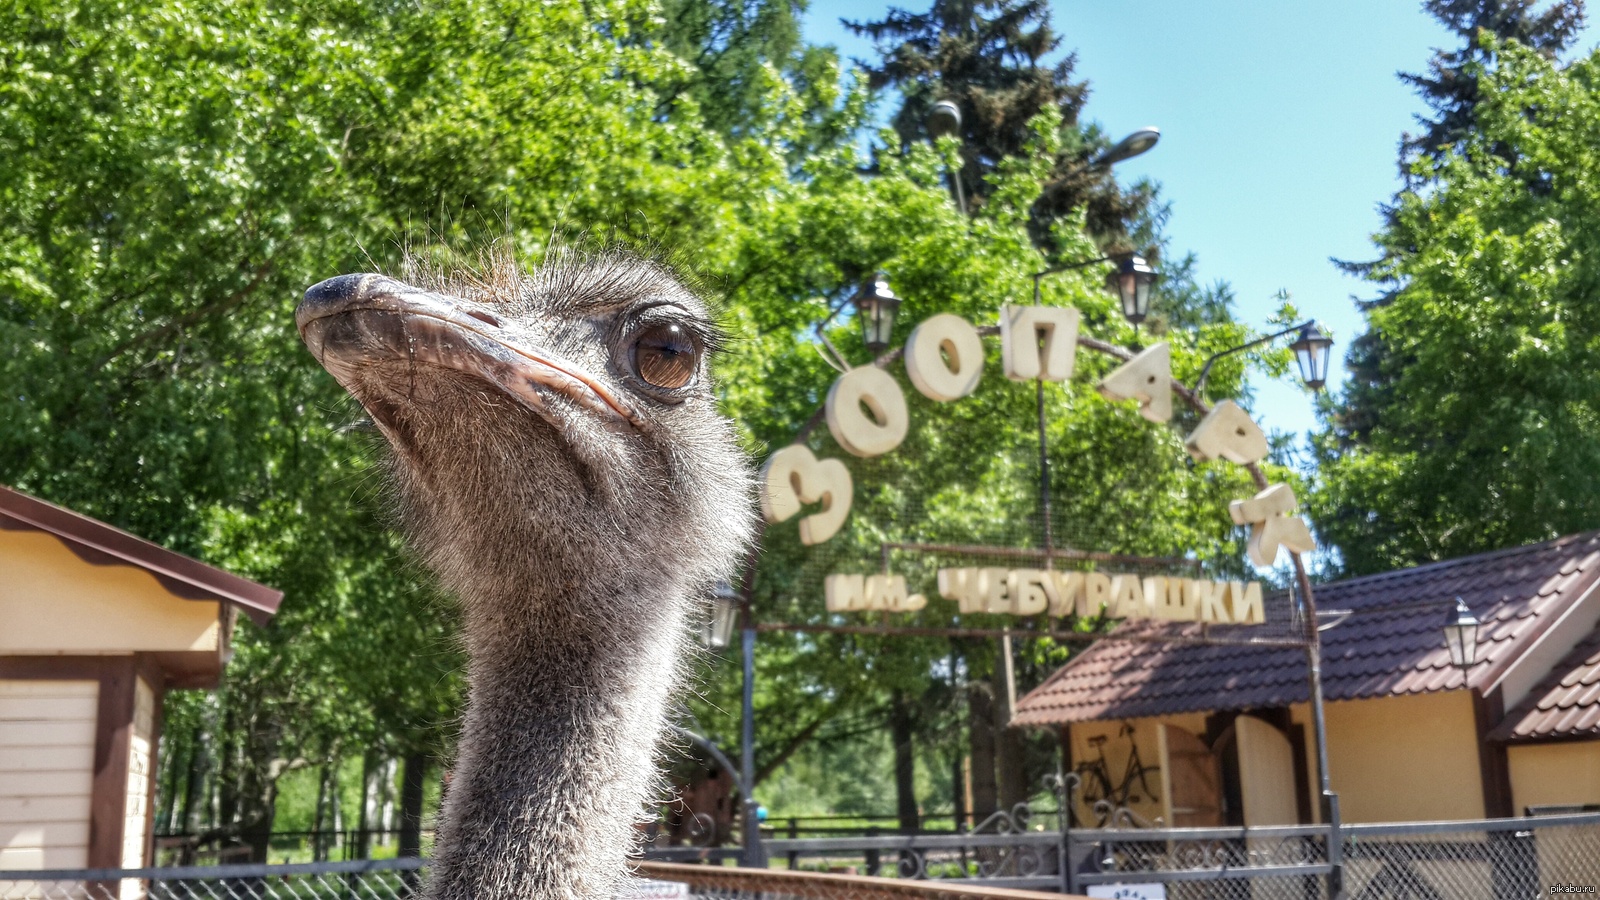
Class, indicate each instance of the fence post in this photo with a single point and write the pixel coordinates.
(1330, 805)
(873, 861)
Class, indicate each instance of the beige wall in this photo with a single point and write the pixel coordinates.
(1547, 774)
(1404, 759)
(46, 768)
(53, 602)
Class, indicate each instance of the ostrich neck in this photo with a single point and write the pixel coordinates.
(556, 751)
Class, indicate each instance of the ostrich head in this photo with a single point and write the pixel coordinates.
(561, 466)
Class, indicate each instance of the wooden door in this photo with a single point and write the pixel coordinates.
(1195, 777)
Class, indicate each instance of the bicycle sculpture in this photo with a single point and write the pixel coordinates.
(1109, 800)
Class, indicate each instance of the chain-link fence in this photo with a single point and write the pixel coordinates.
(398, 879)
(1499, 859)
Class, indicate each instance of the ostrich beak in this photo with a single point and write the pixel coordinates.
(352, 322)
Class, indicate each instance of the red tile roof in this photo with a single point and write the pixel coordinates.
(1565, 704)
(1392, 643)
(97, 543)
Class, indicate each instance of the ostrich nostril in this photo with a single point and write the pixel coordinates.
(483, 317)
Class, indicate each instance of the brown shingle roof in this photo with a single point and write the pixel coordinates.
(1565, 704)
(1392, 644)
(97, 543)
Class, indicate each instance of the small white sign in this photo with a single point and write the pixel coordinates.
(1155, 891)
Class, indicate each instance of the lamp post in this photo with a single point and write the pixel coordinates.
(728, 607)
(1312, 349)
(944, 119)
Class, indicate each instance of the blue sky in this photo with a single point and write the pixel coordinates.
(1279, 120)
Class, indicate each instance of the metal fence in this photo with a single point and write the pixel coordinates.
(397, 879)
(1496, 859)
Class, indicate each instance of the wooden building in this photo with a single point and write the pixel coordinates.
(95, 626)
(1223, 733)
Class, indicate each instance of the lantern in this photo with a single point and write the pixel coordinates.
(1311, 351)
(724, 614)
(1130, 281)
(877, 305)
(1461, 636)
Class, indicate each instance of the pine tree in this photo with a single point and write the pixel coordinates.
(990, 58)
(1450, 86)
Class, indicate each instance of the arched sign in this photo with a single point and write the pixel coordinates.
(868, 416)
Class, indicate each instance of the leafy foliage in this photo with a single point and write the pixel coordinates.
(224, 157)
(1484, 434)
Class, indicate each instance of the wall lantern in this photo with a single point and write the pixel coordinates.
(724, 615)
(877, 305)
(1461, 636)
(1130, 281)
(1311, 351)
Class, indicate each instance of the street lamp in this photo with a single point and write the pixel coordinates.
(1461, 636)
(724, 615)
(1311, 351)
(944, 119)
(1130, 281)
(1130, 146)
(877, 305)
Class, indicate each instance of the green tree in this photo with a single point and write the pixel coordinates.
(1452, 90)
(1484, 435)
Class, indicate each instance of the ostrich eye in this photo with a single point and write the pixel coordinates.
(665, 356)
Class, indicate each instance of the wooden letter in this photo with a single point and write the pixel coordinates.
(1227, 432)
(1038, 342)
(1029, 597)
(1127, 598)
(1247, 606)
(1271, 526)
(1206, 597)
(1176, 602)
(1147, 378)
(992, 584)
(857, 432)
(932, 342)
(887, 592)
(1096, 594)
(844, 592)
(961, 585)
(1064, 592)
(793, 476)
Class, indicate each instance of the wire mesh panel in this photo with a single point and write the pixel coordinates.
(358, 880)
(1494, 861)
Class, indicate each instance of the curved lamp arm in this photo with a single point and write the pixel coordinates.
(1205, 370)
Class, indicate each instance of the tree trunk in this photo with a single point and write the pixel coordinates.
(363, 847)
(1010, 760)
(317, 843)
(980, 734)
(411, 779)
(905, 774)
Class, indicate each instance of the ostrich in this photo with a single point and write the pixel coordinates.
(559, 464)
